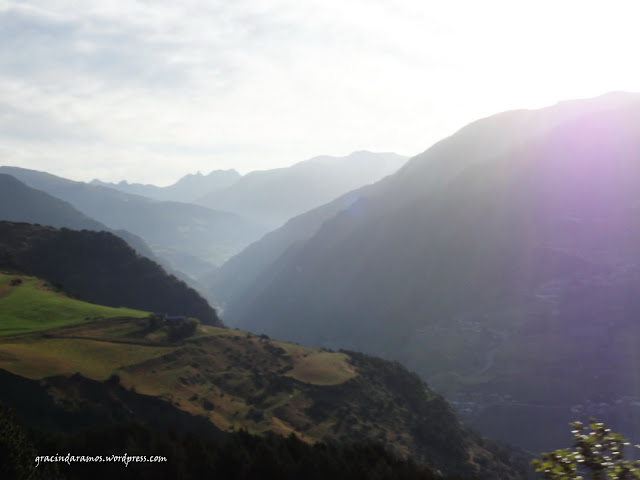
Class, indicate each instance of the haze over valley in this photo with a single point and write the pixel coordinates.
(347, 240)
(499, 264)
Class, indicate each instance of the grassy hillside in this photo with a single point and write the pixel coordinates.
(28, 304)
(98, 267)
(236, 381)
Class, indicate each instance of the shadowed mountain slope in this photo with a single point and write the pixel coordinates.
(247, 273)
(500, 264)
(190, 237)
(20, 203)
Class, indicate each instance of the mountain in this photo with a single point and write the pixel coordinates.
(98, 267)
(88, 373)
(187, 189)
(271, 197)
(20, 203)
(240, 277)
(500, 264)
(243, 276)
(190, 237)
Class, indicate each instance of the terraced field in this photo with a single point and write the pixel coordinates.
(235, 379)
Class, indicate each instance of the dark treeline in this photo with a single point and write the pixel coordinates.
(98, 267)
(238, 456)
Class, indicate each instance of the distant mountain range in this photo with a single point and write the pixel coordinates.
(20, 203)
(271, 197)
(500, 264)
(188, 189)
(190, 238)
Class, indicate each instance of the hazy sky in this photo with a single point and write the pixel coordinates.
(152, 90)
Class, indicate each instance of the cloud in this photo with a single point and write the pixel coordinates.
(175, 87)
(61, 50)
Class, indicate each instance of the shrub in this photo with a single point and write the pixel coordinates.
(597, 454)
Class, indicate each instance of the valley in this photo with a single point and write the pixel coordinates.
(234, 380)
(319, 240)
(500, 265)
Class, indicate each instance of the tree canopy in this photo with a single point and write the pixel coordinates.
(597, 454)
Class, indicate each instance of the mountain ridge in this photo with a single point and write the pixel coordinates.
(191, 238)
(442, 262)
(187, 189)
(274, 196)
(21, 203)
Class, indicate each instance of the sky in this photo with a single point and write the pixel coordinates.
(149, 91)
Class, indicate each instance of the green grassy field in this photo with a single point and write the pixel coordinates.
(27, 304)
(222, 374)
(212, 373)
